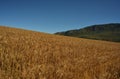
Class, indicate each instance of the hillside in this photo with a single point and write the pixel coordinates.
(108, 32)
(33, 55)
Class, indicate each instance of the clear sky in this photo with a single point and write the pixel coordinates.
(58, 15)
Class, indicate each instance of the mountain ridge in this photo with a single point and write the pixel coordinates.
(107, 32)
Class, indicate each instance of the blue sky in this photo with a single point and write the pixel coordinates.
(58, 15)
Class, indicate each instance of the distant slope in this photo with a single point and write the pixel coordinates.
(33, 55)
(108, 32)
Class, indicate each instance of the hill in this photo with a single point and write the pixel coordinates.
(33, 55)
(108, 32)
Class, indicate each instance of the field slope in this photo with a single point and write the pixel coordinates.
(33, 55)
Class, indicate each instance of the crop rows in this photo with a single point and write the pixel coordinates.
(34, 55)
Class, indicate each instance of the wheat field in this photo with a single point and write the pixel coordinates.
(28, 54)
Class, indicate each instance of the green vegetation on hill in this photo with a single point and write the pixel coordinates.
(108, 32)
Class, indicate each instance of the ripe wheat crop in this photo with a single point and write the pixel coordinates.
(33, 55)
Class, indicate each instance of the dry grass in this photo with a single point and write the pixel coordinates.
(33, 55)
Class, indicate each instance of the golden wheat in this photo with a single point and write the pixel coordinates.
(34, 55)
